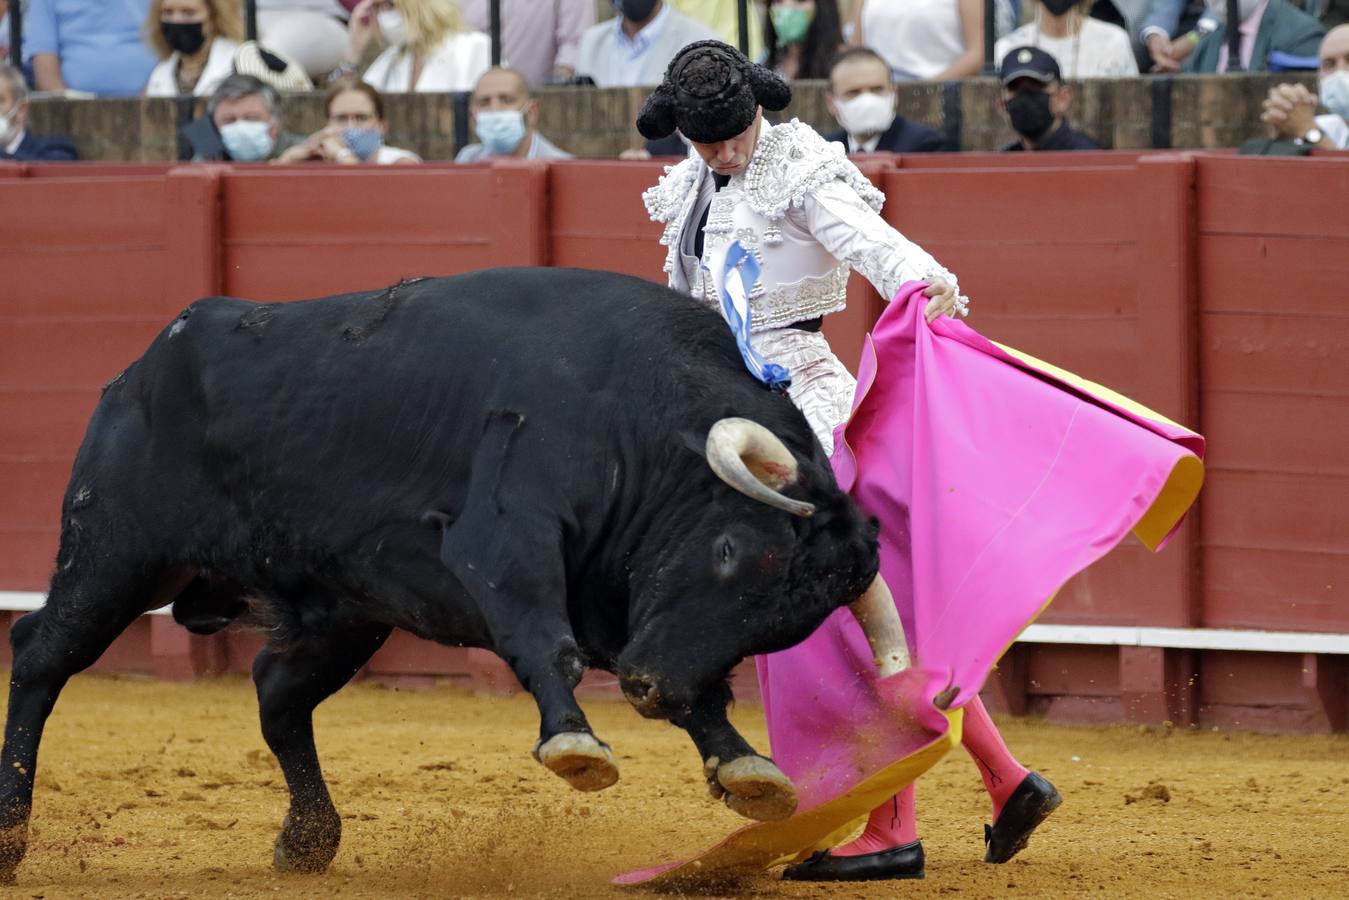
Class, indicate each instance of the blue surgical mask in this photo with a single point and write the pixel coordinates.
(500, 130)
(247, 140)
(364, 142)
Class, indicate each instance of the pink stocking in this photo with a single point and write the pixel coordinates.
(999, 769)
(892, 824)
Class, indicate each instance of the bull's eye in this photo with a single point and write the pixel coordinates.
(725, 551)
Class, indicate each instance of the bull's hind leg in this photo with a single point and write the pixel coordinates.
(82, 617)
(291, 683)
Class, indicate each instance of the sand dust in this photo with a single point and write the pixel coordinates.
(161, 790)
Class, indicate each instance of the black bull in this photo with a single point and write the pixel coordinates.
(517, 460)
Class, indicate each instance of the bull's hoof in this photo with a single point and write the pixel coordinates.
(752, 786)
(582, 760)
(13, 846)
(308, 845)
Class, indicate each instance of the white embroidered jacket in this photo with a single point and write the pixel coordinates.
(805, 212)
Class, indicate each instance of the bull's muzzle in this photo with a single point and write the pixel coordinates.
(751, 459)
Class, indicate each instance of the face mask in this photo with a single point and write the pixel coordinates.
(362, 141)
(1335, 93)
(867, 113)
(635, 10)
(791, 23)
(247, 141)
(393, 26)
(500, 130)
(185, 37)
(1058, 7)
(7, 126)
(1030, 114)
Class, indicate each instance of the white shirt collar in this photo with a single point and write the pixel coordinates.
(13, 146)
(868, 146)
(642, 41)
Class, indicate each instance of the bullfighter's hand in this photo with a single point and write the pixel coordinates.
(943, 300)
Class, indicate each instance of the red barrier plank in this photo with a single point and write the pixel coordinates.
(596, 218)
(1015, 160)
(1268, 274)
(38, 423)
(61, 213)
(1302, 513)
(71, 353)
(1271, 432)
(1084, 671)
(97, 170)
(32, 489)
(1281, 590)
(1270, 196)
(1277, 353)
(30, 553)
(1059, 205)
(289, 235)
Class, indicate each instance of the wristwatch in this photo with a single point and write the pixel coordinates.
(1314, 135)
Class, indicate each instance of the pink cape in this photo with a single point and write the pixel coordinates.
(996, 478)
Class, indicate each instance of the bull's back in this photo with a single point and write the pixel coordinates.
(378, 399)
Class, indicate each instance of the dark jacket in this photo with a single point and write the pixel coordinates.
(1061, 138)
(43, 148)
(903, 136)
(1283, 27)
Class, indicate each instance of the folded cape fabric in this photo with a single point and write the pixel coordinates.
(996, 478)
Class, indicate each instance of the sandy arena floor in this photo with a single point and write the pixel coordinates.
(163, 790)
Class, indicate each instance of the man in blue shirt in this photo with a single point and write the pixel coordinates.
(88, 45)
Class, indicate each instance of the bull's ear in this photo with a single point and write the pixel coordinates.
(695, 442)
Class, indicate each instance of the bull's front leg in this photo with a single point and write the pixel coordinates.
(550, 665)
(750, 784)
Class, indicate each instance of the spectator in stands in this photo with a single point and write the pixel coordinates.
(723, 17)
(540, 38)
(16, 141)
(88, 45)
(1172, 28)
(355, 131)
(246, 113)
(195, 41)
(506, 119)
(802, 37)
(1083, 46)
(311, 32)
(1266, 26)
(862, 98)
(1290, 109)
(635, 47)
(1035, 100)
(4, 30)
(430, 47)
(938, 39)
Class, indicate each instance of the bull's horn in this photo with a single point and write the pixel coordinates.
(751, 459)
(875, 612)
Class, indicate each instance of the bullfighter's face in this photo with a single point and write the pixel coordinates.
(731, 156)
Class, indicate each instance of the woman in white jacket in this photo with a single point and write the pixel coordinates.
(430, 47)
(195, 40)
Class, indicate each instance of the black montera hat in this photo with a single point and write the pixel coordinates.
(711, 93)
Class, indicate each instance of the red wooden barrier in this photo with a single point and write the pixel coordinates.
(1273, 256)
(1207, 286)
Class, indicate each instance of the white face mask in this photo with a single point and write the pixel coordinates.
(393, 26)
(1334, 91)
(866, 114)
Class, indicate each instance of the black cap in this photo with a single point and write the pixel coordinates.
(711, 93)
(1028, 62)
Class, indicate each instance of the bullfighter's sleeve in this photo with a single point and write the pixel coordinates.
(855, 234)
